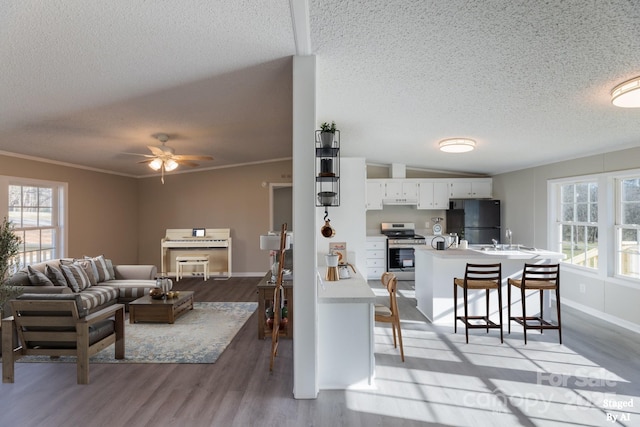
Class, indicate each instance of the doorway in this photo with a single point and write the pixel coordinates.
(281, 201)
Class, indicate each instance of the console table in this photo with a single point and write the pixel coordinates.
(265, 299)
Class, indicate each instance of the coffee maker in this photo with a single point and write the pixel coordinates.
(332, 267)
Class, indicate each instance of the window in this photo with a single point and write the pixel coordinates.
(34, 210)
(578, 223)
(628, 227)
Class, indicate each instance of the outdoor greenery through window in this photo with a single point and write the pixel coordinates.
(579, 223)
(32, 210)
(628, 228)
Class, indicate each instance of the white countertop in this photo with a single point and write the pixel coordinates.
(491, 254)
(353, 290)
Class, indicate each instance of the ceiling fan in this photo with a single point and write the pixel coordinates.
(163, 157)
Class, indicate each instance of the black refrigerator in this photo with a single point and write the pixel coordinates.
(475, 220)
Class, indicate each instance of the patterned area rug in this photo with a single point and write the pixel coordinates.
(199, 336)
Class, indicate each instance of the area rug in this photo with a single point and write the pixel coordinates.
(199, 336)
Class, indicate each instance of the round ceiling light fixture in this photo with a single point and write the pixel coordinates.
(457, 145)
(627, 94)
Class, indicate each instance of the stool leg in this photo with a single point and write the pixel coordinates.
(455, 307)
(541, 311)
(524, 314)
(466, 314)
(509, 306)
(500, 312)
(558, 309)
(487, 308)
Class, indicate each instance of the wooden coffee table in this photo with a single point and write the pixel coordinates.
(147, 309)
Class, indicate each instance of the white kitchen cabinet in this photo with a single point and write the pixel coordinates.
(375, 194)
(376, 257)
(400, 189)
(471, 189)
(433, 195)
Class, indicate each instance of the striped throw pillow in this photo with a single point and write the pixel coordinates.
(76, 277)
(100, 268)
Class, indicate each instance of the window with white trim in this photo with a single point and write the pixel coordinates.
(628, 227)
(577, 223)
(35, 211)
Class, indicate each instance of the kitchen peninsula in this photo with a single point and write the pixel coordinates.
(345, 333)
(435, 271)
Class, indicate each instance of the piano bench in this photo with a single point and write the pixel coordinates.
(202, 260)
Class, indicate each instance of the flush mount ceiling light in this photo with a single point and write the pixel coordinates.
(627, 94)
(457, 145)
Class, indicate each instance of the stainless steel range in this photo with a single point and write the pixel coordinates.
(401, 241)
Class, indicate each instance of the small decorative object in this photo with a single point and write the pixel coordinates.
(156, 293)
(328, 131)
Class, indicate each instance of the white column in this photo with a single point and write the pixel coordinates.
(305, 333)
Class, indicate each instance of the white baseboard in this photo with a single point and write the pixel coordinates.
(633, 327)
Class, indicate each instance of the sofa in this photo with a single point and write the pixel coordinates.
(96, 280)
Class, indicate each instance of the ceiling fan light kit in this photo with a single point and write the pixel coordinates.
(627, 94)
(457, 145)
(164, 159)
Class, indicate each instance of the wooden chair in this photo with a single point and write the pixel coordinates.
(57, 325)
(391, 314)
(540, 277)
(478, 277)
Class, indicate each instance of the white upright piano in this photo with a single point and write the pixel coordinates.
(215, 242)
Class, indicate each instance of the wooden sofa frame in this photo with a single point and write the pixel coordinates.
(56, 327)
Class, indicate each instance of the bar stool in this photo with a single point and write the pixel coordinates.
(540, 277)
(478, 277)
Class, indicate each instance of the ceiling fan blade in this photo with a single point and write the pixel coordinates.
(157, 151)
(185, 162)
(138, 154)
(191, 157)
(147, 161)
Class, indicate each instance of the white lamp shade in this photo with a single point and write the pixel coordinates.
(155, 164)
(457, 145)
(627, 94)
(170, 165)
(271, 242)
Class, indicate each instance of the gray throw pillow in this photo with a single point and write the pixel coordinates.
(38, 278)
(55, 275)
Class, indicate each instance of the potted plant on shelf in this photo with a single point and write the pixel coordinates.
(9, 247)
(327, 132)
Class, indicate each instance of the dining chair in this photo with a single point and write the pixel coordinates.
(478, 277)
(536, 277)
(390, 313)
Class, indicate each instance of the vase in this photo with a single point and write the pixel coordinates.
(327, 139)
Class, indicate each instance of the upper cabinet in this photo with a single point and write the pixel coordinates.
(477, 188)
(433, 195)
(375, 194)
(425, 193)
(400, 192)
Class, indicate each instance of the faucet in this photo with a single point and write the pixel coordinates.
(495, 244)
(509, 236)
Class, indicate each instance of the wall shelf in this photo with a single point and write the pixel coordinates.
(327, 170)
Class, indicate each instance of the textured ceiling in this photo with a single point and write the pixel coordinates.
(83, 82)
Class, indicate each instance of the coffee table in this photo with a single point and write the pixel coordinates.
(147, 309)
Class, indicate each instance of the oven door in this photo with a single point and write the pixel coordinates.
(401, 258)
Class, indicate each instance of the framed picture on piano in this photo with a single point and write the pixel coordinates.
(198, 232)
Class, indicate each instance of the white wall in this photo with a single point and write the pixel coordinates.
(524, 194)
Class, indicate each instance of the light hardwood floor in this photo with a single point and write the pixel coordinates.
(444, 382)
